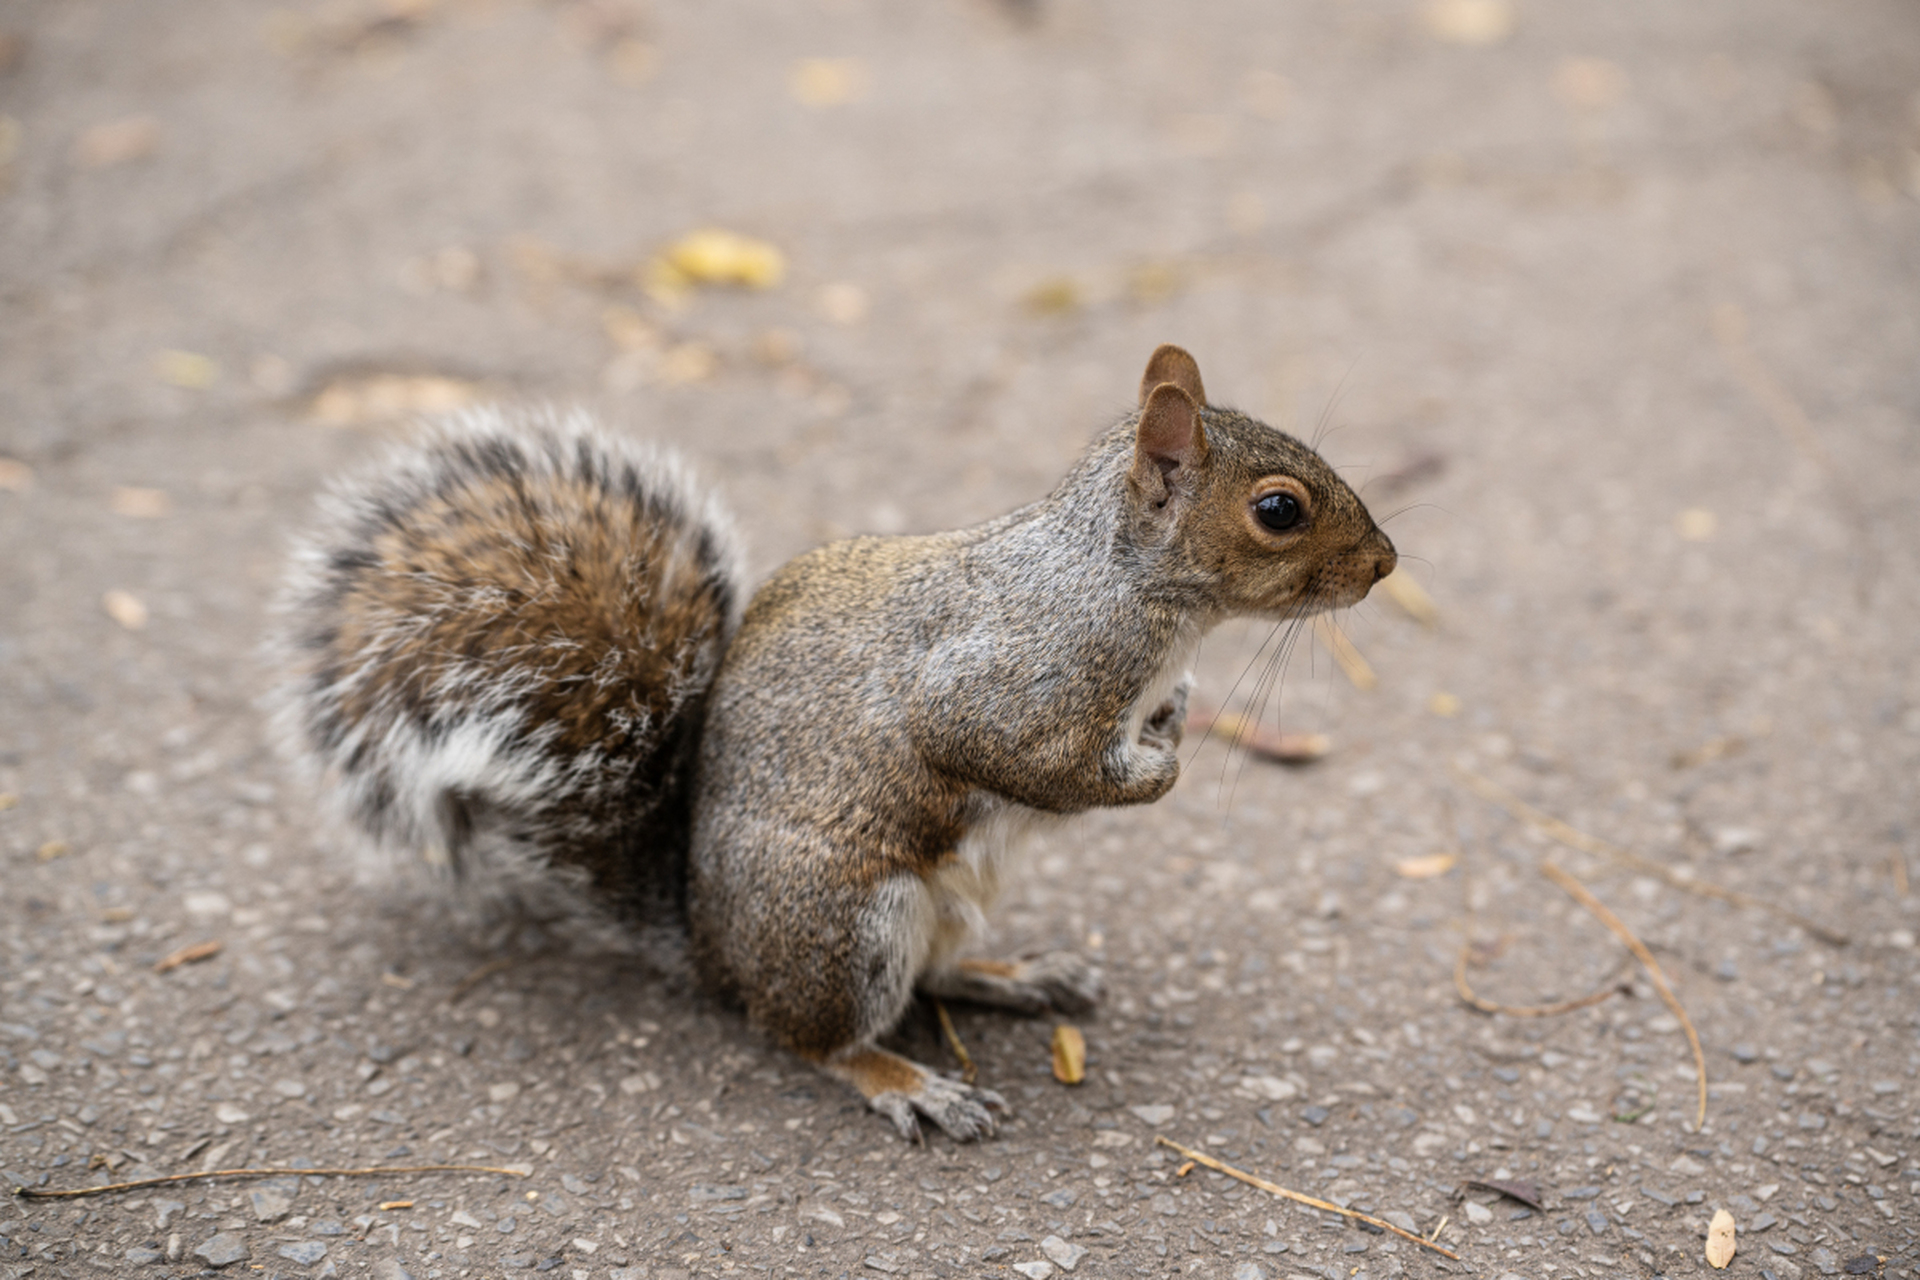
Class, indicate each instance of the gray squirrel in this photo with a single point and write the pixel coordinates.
(517, 652)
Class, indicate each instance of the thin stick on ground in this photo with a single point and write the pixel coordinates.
(1200, 1157)
(1485, 1005)
(1573, 838)
(35, 1193)
(1580, 894)
(465, 986)
(968, 1071)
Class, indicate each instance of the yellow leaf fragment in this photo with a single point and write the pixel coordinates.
(1444, 704)
(52, 849)
(1404, 590)
(1055, 297)
(8, 800)
(1720, 1242)
(140, 504)
(1469, 22)
(1358, 671)
(1069, 1054)
(1426, 867)
(186, 369)
(714, 256)
(125, 608)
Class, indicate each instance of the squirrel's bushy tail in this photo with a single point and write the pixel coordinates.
(497, 649)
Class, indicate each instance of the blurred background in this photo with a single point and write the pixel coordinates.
(1611, 311)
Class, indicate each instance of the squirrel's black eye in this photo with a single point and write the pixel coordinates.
(1278, 511)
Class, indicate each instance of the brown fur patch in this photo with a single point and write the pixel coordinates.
(873, 1071)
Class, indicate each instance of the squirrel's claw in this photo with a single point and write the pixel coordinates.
(963, 1112)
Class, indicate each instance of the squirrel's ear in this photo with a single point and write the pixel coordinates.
(1172, 364)
(1169, 442)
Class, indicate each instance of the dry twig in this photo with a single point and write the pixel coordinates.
(190, 955)
(465, 986)
(1485, 1005)
(1574, 838)
(968, 1071)
(35, 1193)
(1584, 898)
(1199, 1157)
(1349, 658)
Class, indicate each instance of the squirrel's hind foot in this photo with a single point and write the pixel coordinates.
(904, 1091)
(1054, 981)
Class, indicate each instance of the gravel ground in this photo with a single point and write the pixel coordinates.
(1613, 306)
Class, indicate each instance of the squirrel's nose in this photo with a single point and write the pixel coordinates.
(1386, 558)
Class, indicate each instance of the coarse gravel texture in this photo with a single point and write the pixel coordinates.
(1612, 307)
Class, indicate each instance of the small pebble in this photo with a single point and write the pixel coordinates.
(223, 1250)
(1315, 1116)
(1066, 1256)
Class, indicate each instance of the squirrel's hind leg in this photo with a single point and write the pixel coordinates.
(903, 1091)
(1060, 981)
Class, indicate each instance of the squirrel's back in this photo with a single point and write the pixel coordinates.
(498, 646)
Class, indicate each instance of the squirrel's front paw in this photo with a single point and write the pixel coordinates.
(963, 1111)
(1060, 981)
(1169, 720)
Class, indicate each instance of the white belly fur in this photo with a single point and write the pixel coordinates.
(965, 888)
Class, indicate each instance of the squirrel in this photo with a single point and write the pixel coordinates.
(517, 651)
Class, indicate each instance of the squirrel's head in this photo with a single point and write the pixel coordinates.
(1255, 513)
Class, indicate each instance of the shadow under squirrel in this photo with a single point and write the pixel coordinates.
(514, 653)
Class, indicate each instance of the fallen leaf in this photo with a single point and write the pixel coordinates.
(1470, 22)
(1443, 704)
(52, 849)
(1270, 744)
(714, 256)
(8, 800)
(828, 82)
(190, 955)
(1405, 591)
(15, 476)
(186, 369)
(117, 142)
(1069, 1054)
(1720, 1242)
(140, 504)
(1055, 297)
(125, 608)
(1426, 867)
(1527, 1193)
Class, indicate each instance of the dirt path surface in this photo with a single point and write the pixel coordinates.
(1615, 306)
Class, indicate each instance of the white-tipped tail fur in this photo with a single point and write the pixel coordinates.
(495, 649)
